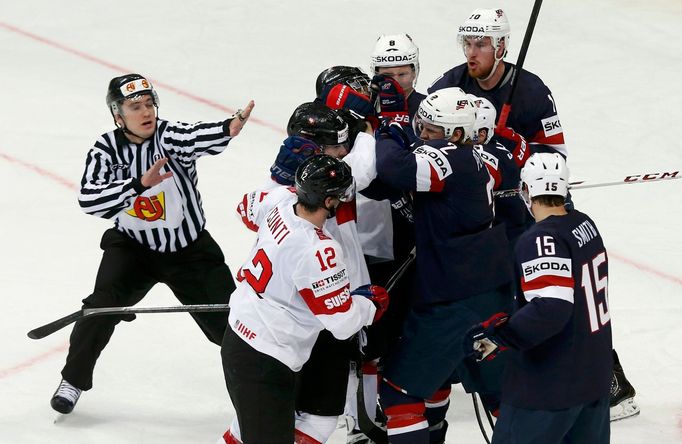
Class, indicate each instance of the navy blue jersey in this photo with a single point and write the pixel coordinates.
(508, 210)
(561, 323)
(533, 113)
(413, 101)
(459, 255)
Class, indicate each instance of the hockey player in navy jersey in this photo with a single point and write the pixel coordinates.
(397, 56)
(463, 266)
(484, 37)
(557, 380)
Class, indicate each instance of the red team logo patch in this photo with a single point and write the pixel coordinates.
(150, 208)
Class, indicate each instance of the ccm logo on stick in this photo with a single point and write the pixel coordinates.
(651, 176)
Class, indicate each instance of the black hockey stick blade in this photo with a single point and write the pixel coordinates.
(48, 329)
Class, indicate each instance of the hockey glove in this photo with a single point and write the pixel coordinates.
(391, 98)
(292, 153)
(482, 341)
(355, 123)
(376, 294)
(343, 96)
(520, 150)
(395, 131)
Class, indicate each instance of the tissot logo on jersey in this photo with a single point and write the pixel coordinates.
(320, 287)
(543, 266)
(149, 208)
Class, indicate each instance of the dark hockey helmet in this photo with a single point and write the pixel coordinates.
(347, 75)
(319, 123)
(322, 176)
(128, 86)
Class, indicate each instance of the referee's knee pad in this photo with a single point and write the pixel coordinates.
(314, 429)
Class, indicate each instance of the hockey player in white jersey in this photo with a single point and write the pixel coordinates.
(293, 286)
(315, 128)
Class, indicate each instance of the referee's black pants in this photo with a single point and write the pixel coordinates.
(197, 274)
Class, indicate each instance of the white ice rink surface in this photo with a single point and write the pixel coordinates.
(613, 67)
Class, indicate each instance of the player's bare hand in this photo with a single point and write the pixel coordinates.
(153, 176)
(240, 118)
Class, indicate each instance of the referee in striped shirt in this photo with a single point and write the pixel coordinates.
(143, 176)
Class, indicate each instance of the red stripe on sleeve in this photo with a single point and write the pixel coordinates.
(241, 209)
(338, 301)
(539, 137)
(547, 281)
(497, 177)
(436, 184)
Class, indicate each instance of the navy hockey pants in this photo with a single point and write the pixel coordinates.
(584, 424)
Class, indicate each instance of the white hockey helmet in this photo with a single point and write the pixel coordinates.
(491, 23)
(395, 50)
(544, 174)
(449, 108)
(485, 118)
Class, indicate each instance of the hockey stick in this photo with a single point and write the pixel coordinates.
(48, 329)
(478, 418)
(51, 327)
(365, 423)
(637, 178)
(506, 108)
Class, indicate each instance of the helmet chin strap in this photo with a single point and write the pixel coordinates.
(497, 62)
(332, 212)
(494, 68)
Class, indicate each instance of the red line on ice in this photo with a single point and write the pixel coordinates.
(121, 69)
(32, 361)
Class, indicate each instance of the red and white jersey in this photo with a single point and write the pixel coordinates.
(343, 227)
(293, 285)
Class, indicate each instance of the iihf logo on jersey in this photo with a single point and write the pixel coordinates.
(149, 208)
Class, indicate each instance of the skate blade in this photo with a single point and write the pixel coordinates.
(625, 409)
(58, 418)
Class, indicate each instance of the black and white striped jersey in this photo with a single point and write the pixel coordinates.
(168, 216)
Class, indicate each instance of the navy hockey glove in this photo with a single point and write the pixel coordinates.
(343, 96)
(395, 131)
(376, 294)
(482, 341)
(520, 150)
(392, 99)
(292, 153)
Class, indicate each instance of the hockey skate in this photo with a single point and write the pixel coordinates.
(622, 403)
(65, 398)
